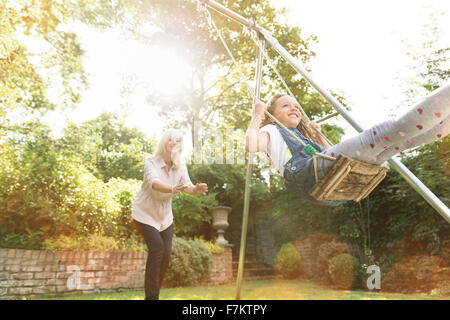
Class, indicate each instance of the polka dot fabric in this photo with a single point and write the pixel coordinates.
(425, 122)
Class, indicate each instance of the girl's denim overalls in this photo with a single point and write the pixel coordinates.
(299, 175)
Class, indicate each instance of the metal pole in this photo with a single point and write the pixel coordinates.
(258, 78)
(297, 66)
(286, 55)
(412, 180)
(227, 12)
(328, 117)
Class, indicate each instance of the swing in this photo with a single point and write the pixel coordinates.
(348, 179)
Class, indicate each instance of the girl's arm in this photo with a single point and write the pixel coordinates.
(317, 136)
(322, 141)
(254, 140)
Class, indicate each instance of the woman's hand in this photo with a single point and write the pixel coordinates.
(201, 188)
(259, 109)
(178, 188)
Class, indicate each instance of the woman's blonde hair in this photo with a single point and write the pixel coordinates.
(176, 152)
(302, 126)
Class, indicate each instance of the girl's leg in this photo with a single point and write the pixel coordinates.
(438, 132)
(366, 146)
(155, 245)
(369, 144)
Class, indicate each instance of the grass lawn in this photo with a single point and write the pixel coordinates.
(255, 290)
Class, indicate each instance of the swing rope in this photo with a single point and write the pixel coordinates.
(310, 150)
(253, 35)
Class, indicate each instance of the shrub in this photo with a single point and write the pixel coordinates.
(191, 212)
(31, 240)
(123, 192)
(134, 242)
(343, 270)
(445, 253)
(288, 261)
(189, 264)
(420, 273)
(326, 252)
(82, 243)
(213, 246)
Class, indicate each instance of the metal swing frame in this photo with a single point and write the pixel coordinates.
(266, 37)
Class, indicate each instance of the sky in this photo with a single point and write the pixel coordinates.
(360, 52)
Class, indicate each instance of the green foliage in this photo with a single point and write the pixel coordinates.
(190, 263)
(431, 67)
(123, 193)
(288, 261)
(22, 83)
(227, 182)
(108, 147)
(46, 189)
(31, 240)
(191, 212)
(332, 132)
(94, 242)
(213, 246)
(418, 273)
(326, 252)
(295, 216)
(395, 218)
(343, 269)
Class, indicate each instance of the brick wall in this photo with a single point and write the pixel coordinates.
(222, 268)
(36, 272)
(308, 248)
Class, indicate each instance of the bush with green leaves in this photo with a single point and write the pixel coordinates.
(213, 246)
(395, 218)
(288, 261)
(343, 270)
(190, 262)
(191, 213)
(93, 242)
(326, 252)
(419, 273)
(123, 192)
(30, 240)
(47, 191)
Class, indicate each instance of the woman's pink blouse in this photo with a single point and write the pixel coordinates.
(152, 207)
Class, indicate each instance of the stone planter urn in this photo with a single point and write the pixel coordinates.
(220, 223)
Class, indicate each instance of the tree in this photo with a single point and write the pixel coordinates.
(26, 75)
(431, 58)
(108, 147)
(216, 96)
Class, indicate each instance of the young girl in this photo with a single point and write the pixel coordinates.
(426, 122)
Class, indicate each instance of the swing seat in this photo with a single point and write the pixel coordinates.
(349, 179)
